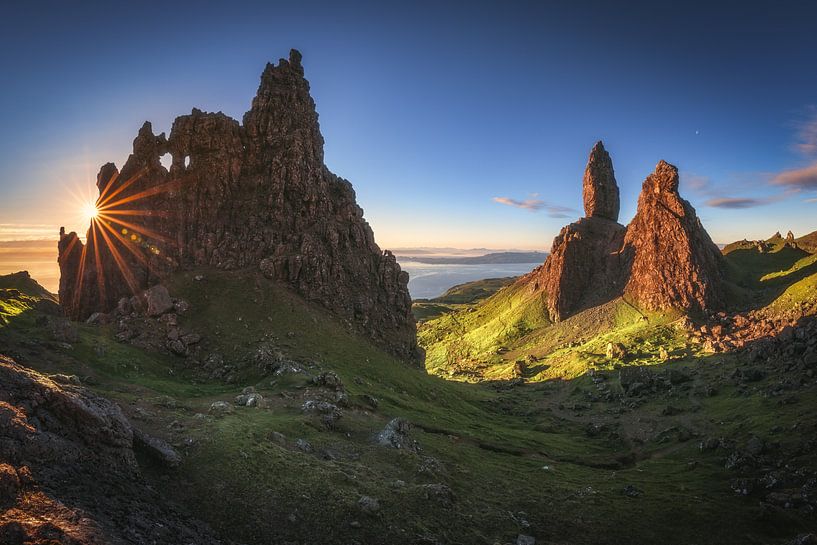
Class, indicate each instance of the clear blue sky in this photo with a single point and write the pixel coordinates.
(434, 109)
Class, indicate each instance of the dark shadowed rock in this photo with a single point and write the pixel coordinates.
(69, 471)
(253, 195)
(674, 262)
(600, 189)
(158, 300)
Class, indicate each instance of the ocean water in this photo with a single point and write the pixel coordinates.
(427, 281)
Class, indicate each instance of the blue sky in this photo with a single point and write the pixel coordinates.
(437, 112)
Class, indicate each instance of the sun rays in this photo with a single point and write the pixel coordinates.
(120, 232)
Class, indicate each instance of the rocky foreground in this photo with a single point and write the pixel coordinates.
(69, 473)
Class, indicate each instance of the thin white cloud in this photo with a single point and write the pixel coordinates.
(533, 204)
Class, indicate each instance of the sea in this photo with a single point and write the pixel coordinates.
(427, 281)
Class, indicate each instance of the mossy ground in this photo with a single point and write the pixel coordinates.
(541, 458)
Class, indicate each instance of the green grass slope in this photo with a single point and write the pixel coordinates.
(458, 296)
(552, 459)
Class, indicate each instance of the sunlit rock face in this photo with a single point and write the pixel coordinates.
(600, 190)
(237, 196)
(584, 268)
(663, 259)
(674, 262)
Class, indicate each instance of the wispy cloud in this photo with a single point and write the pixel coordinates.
(736, 202)
(25, 231)
(799, 178)
(532, 204)
(724, 197)
(696, 183)
(807, 133)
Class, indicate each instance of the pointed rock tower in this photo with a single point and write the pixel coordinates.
(674, 262)
(255, 196)
(583, 268)
(600, 189)
(664, 259)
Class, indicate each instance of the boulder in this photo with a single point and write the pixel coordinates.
(615, 351)
(158, 300)
(396, 435)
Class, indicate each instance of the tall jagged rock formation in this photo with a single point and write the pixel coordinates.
(674, 262)
(583, 268)
(663, 259)
(246, 195)
(600, 190)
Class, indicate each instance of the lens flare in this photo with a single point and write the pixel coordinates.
(89, 211)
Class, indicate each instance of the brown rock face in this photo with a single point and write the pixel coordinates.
(663, 259)
(600, 189)
(583, 268)
(674, 262)
(256, 195)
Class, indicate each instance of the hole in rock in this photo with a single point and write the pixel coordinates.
(166, 160)
(186, 161)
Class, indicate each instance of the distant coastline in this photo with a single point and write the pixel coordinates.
(496, 258)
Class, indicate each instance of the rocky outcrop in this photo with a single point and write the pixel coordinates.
(69, 473)
(600, 190)
(663, 259)
(674, 262)
(251, 195)
(584, 266)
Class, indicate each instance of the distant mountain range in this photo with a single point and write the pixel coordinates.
(485, 259)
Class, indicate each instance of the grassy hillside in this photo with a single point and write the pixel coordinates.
(486, 340)
(454, 298)
(808, 242)
(557, 459)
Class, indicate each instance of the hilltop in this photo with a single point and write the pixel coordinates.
(251, 195)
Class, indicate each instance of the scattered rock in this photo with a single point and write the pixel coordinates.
(368, 504)
(631, 491)
(396, 435)
(329, 379)
(523, 539)
(616, 351)
(249, 398)
(158, 300)
(220, 408)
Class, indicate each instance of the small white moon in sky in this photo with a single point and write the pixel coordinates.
(697, 132)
